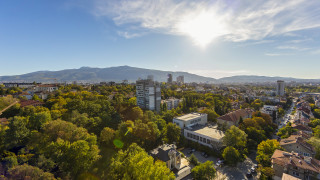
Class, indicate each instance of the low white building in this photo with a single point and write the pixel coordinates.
(205, 135)
(188, 120)
(271, 110)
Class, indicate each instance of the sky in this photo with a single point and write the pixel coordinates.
(216, 39)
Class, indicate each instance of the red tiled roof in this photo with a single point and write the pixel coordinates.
(283, 159)
(30, 103)
(297, 139)
(234, 116)
(301, 127)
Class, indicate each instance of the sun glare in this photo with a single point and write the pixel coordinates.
(203, 27)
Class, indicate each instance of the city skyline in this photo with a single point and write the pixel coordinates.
(209, 38)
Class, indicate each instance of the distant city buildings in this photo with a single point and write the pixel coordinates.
(171, 103)
(180, 79)
(280, 88)
(148, 94)
(169, 80)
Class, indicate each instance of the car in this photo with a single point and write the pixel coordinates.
(249, 175)
(253, 169)
(206, 156)
(220, 162)
(190, 152)
(193, 150)
(203, 153)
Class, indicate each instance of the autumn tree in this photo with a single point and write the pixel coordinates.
(231, 155)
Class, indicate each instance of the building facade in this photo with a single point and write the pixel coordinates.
(205, 135)
(148, 94)
(180, 79)
(169, 80)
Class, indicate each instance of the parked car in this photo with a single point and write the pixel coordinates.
(193, 150)
(253, 169)
(249, 175)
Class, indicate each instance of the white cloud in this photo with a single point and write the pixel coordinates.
(278, 54)
(293, 48)
(203, 21)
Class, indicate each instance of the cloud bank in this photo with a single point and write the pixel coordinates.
(203, 20)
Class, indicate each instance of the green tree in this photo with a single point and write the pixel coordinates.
(204, 171)
(235, 137)
(265, 150)
(231, 155)
(315, 142)
(173, 133)
(314, 123)
(316, 131)
(286, 131)
(135, 163)
(212, 115)
(193, 160)
(18, 133)
(38, 119)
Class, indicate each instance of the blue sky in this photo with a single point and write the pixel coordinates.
(210, 38)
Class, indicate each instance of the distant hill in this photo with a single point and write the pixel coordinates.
(117, 74)
(261, 79)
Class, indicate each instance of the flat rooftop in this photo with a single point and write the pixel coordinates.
(189, 117)
(207, 131)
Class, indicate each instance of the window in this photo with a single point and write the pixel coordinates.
(204, 140)
(295, 174)
(306, 154)
(200, 138)
(208, 141)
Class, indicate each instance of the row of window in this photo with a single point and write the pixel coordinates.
(195, 121)
(198, 138)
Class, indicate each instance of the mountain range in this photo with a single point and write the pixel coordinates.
(117, 74)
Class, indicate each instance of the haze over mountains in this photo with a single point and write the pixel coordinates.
(117, 74)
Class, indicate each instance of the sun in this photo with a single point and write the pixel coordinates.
(202, 27)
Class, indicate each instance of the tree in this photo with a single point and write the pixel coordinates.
(266, 173)
(281, 112)
(29, 172)
(193, 160)
(212, 115)
(204, 171)
(265, 150)
(106, 135)
(235, 137)
(286, 131)
(18, 133)
(316, 131)
(135, 163)
(231, 155)
(173, 133)
(71, 147)
(315, 142)
(314, 123)
(38, 119)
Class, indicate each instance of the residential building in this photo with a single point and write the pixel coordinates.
(190, 119)
(169, 154)
(169, 80)
(172, 103)
(180, 79)
(46, 87)
(21, 85)
(148, 94)
(271, 110)
(305, 168)
(289, 177)
(233, 118)
(205, 135)
(296, 143)
(301, 127)
(280, 88)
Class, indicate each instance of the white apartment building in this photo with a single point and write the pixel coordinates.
(148, 94)
(188, 120)
(271, 110)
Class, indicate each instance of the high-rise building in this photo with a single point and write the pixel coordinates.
(280, 88)
(169, 78)
(148, 94)
(180, 79)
